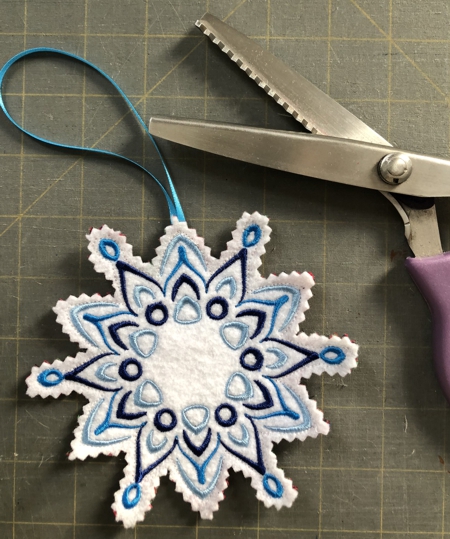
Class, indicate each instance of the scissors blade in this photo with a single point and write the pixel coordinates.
(322, 115)
(330, 158)
(317, 111)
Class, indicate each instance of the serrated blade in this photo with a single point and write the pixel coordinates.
(317, 111)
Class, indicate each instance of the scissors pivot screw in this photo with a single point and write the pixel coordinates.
(395, 168)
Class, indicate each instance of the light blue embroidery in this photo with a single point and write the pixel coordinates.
(130, 503)
(189, 243)
(234, 325)
(134, 342)
(100, 373)
(103, 246)
(201, 468)
(50, 377)
(282, 358)
(140, 289)
(195, 428)
(182, 260)
(339, 355)
(201, 493)
(241, 441)
(248, 388)
(139, 401)
(184, 301)
(107, 421)
(87, 437)
(228, 281)
(251, 236)
(278, 303)
(154, 448)
(75, 311)
(306, 417)
(276, 492)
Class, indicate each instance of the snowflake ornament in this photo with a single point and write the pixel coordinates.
(192, 367)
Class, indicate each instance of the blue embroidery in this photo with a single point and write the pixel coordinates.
(286, 411)
(134, 342)
(185, 279)
(123, 370)
(86, 436)
(201, 493)
(306, 417)
(195, 428)
(186, 300)
(259, 464)
(197, 450)
(310, 356)
(103, 246)
(159, 306)
(138, 291)
(268, 401)
(226, 422)
(140, 473)
(219, 300)
(122, 267)
(101, 372)
(259, 359)
(182, 260)
(242, 258)
(281, 356)
(260, 315)
(139, 401)
(338, 353)
(236, 325)
(189, 243)
(248, 388)
(75, 311)
(295, 300)
(106, 424)
(277, 304)
(201, 468)
(73, 375)
(50, 377)
(151, 446)
(276, 492)
(241, 441)
(231, 282)
(122, 414)
(163, 427)
(251, 236)
(114, 328)
(130, 503)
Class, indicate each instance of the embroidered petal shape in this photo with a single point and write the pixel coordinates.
(148, 395)
(187, 311)
(195, 417)
(144, 342)
(234, 334)
(239, 387)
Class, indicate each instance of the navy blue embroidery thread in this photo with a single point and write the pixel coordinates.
(198, 450)
(163, 427)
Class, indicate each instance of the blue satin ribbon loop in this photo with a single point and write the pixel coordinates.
(173, 202)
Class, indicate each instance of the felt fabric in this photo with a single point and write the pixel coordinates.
(192, 367)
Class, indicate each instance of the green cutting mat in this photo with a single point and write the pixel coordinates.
(383, 469)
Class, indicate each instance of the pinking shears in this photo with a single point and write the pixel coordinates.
(339, 148)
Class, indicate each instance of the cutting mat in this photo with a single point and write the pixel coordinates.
(383, 469)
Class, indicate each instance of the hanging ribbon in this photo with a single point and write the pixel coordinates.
(172, 201)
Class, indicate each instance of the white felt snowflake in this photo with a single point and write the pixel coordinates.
(192, 367)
